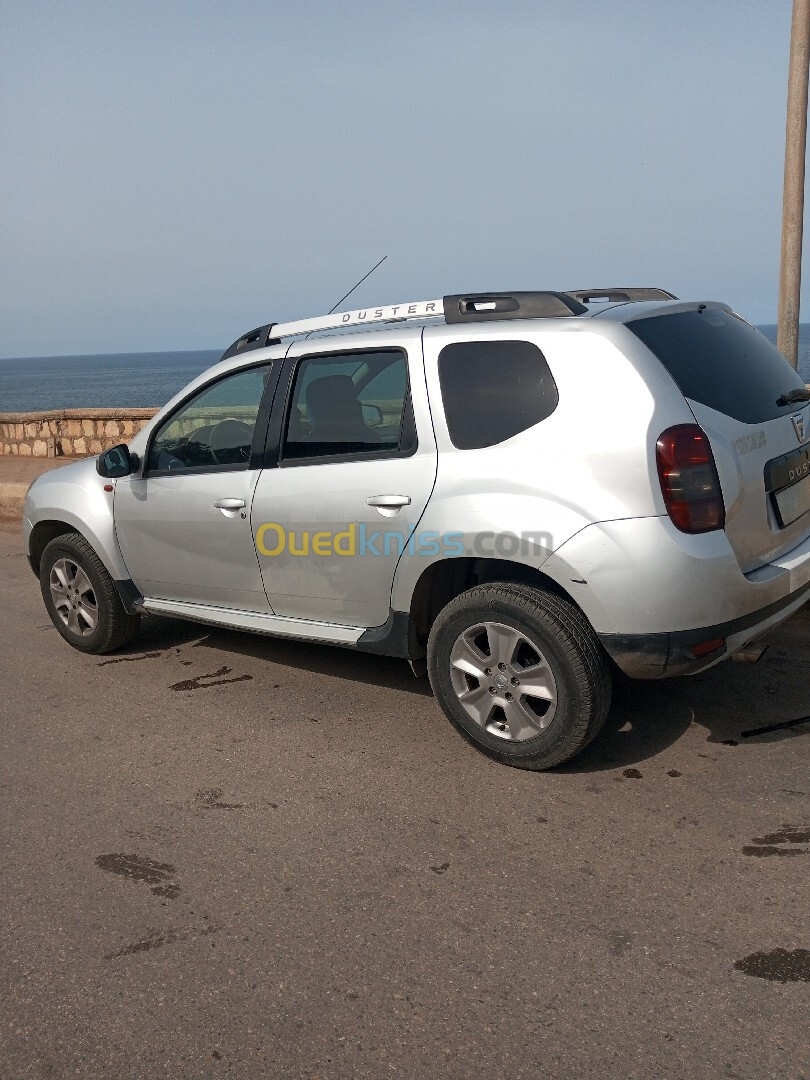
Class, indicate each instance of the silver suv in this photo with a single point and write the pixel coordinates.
(516, 492)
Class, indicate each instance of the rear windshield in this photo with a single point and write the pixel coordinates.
(720, 361)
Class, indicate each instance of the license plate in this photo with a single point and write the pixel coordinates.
(792, 502)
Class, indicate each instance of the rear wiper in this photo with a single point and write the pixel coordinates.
(794, 396)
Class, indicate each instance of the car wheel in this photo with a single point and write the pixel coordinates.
(81, 597)
(520, 674)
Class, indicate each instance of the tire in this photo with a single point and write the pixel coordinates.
(551, 694)
(78, 592)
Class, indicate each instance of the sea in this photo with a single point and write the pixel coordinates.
(141, 380)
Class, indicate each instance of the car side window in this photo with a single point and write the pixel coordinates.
(349, 405)
(493, 390)
(214, 428)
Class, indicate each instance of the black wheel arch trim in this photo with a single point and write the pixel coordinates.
(394, 638)
(127, 590)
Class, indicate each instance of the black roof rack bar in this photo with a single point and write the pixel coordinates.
(253, 339)
(620, 294)
(487, 307)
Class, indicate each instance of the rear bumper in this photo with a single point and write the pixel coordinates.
(660, 656)
(652, 593)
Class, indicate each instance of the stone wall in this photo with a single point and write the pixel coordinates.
(69, 432)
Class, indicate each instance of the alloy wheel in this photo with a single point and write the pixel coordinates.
(74, 598)
(503, 681)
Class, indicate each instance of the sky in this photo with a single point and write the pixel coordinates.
(174, 173)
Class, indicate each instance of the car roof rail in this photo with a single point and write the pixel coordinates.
(620, 295)
(253, 339)
(457, 308)
(272, 333)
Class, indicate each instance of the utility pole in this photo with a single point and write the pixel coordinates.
(790, 270)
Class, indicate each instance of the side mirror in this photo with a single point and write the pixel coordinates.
(372, 415)
(116, 462)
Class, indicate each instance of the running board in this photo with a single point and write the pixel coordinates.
(257, 622)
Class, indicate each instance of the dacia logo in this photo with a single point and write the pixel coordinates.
(798, 425)
(747, 443)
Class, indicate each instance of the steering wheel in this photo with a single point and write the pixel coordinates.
(230, 442)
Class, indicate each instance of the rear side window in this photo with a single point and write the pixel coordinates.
(720, 361)
(493, 390)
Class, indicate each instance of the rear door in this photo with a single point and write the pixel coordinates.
(735, 382)
(356, 464)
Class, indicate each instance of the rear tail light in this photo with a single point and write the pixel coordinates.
(689, 481)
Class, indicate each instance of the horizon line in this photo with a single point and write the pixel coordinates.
(163, 352)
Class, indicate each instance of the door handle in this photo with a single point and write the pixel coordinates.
(230, 504)
(388, 505)
(389, 502)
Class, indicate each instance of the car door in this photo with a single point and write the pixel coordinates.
(183, 523)
(356, 463)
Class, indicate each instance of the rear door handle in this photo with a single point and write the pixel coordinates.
(389, 502)
(388, 505)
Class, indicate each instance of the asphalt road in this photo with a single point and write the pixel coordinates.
(228, 855)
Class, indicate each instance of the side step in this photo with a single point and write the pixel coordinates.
(257, 622)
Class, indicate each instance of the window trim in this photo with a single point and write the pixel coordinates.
(279, 420)
(259, 430)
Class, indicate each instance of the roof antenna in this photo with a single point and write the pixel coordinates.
(351, 290)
